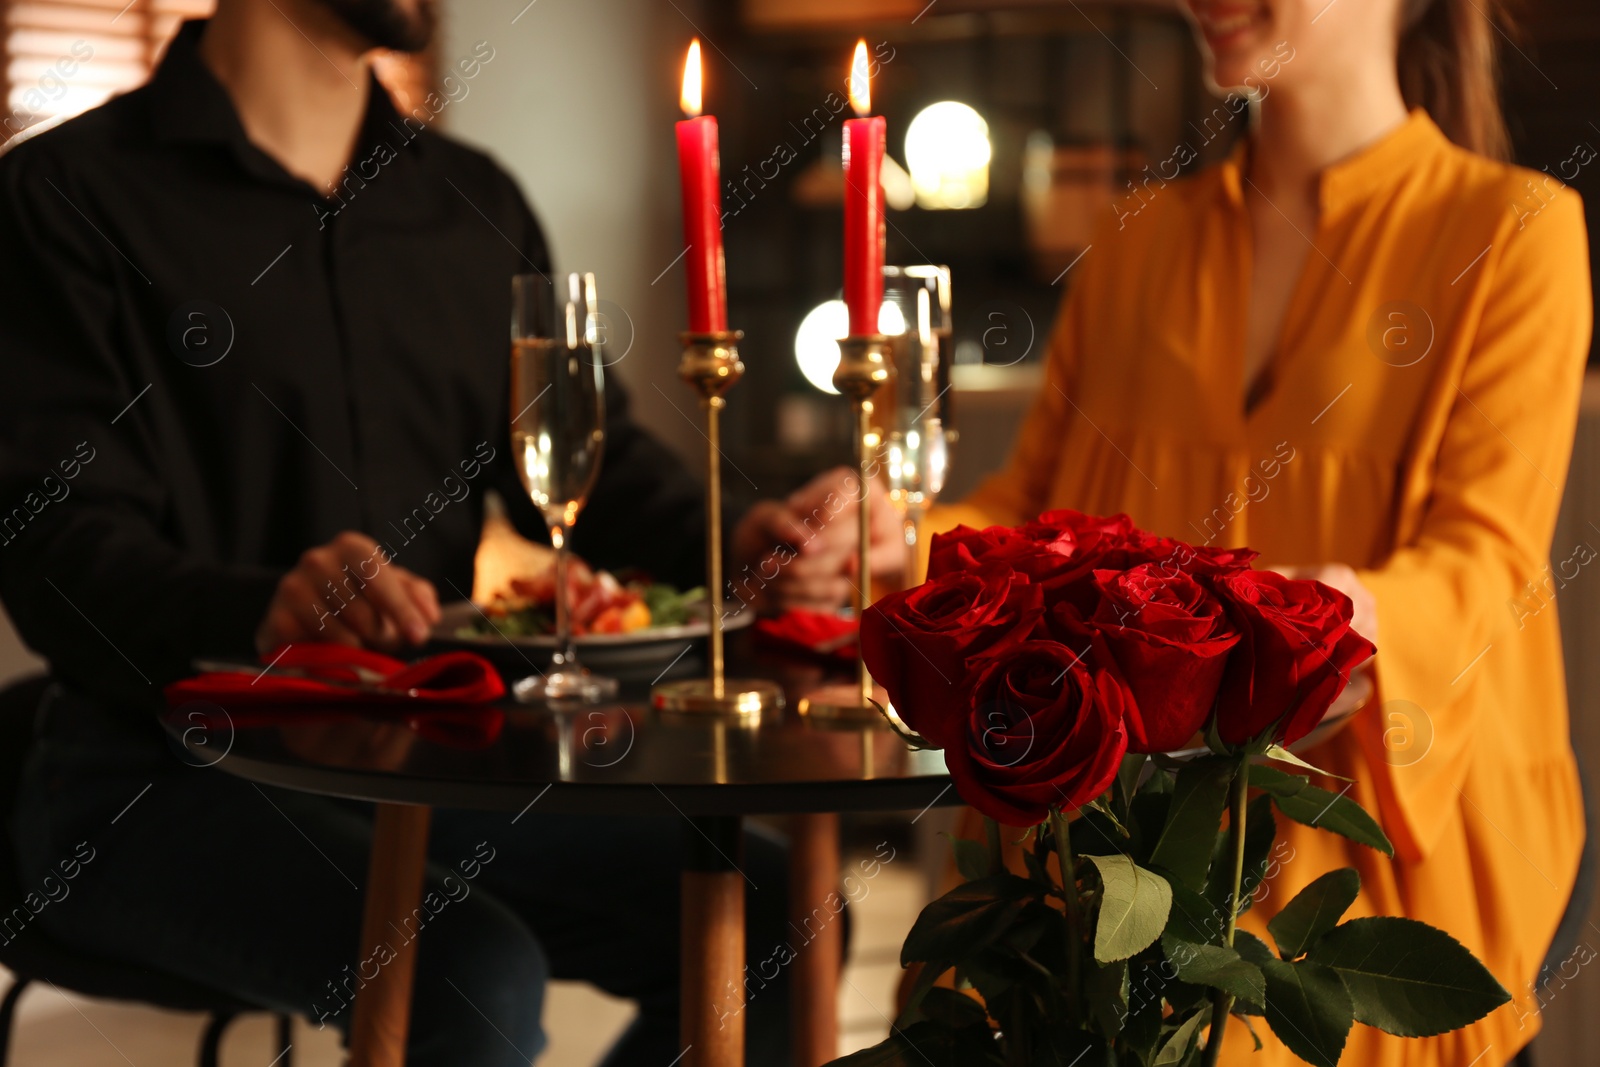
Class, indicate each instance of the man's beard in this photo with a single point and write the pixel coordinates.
(387, 23)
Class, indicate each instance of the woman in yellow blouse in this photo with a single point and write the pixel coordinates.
(1358, 346)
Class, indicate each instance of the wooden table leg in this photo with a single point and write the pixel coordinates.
(711, 1020)
(382, 1010)
(813, 878)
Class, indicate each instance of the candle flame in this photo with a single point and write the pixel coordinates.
(860, 81)
(689, 99)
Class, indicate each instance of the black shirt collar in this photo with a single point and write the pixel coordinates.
(190, 106)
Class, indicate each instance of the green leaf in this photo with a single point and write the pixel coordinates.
(1254, 951)
(1106, 987)
(1407, 978)
(928, 1044)
(972, 858)
(1134, 904)
(1098, 804)
(1149, 982)
(1260, 832)
(1183, 997)
(1192, 945)
(1251, 1027)
(1148, 815)
(1095, 833)
(1218, 967)
(1305, 803)
(1194, 918)
(1039, 868)
(1314, 911)
(1278, 752)
(1177, 1046)
(1252, 948)
(914, 741)
(1214, 739)
(1127, 782)
(1158, 784)
(953, 1010)
(1309, 1009)
(1194, 820)
(1064, 1044)
(920, 988)
(967, 918)
(1025, 932)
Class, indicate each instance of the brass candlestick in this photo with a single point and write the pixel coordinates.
(865, 364)
(711, 365)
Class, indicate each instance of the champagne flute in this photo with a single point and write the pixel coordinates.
(557, 441)
(916, 449)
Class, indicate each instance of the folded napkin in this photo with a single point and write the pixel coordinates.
(817, 633)
(335, 674)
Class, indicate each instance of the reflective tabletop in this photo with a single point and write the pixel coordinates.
(616, 757)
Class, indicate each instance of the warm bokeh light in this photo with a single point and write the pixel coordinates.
(948, 152)
(690, 98)
(860, 81)
(816, 342)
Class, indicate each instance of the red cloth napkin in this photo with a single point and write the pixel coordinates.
(451, 678)
(817, 633)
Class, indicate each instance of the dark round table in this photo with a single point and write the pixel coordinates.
(620, 757)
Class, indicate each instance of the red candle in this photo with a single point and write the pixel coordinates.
(699, 179)
(863, 203)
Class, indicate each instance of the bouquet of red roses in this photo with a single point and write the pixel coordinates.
(1056, 664)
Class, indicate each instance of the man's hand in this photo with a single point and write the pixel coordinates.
(801, 552)
(348, 592)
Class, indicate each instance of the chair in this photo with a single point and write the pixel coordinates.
(33, 957)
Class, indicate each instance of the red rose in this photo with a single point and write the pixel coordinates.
(1294, 657)
(1170, 639)
(967, 549)
(1174, 555)
(917, 643)
(1061, 548)
(1043, 729)
(1208, 560)
(1091, 533)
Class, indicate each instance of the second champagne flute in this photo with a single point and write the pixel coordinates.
(557, 441)
(916, 450)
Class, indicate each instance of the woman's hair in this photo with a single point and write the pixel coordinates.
(1448, 67)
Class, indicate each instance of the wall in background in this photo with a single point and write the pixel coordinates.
(578, 104)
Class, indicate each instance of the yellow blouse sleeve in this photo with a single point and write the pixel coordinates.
(1444, 599)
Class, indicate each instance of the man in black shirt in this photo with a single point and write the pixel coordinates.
(257, 322)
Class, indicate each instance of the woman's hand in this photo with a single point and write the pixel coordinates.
(1364, 618)
(801, 552)
(349, 593)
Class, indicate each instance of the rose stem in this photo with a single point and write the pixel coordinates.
(1069, 890)
(1018, 1053)
(1223, 1002)
(997, 861)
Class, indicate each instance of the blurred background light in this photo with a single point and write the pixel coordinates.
(816, 342)
(948, 152)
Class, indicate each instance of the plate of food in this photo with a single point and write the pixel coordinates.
(621, 622)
